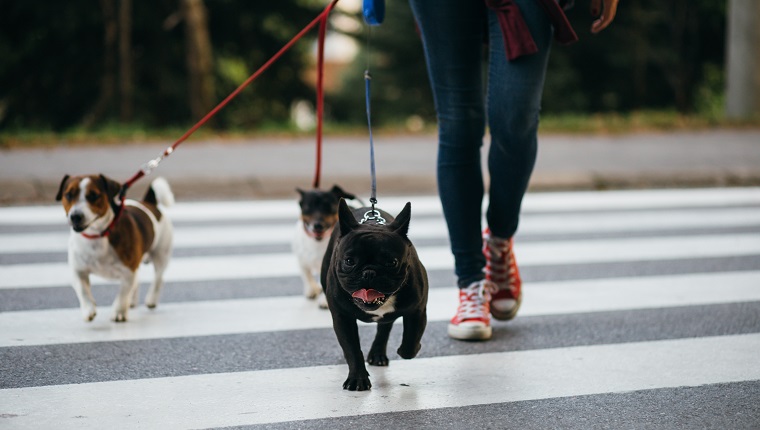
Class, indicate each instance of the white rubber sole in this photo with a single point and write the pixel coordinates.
(470, 331)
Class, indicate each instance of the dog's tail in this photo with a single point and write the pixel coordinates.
(160, 193)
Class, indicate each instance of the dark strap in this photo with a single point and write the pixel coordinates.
(515, 32)
(563, 30)
(517, 38)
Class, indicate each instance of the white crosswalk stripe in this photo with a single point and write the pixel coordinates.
(713, 235)
(531, 254)
(303, 393)
(294, 313)
(248, 235)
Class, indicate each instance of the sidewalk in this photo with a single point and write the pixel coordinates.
(273, 168)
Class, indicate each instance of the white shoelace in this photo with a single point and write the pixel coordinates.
(477, 294)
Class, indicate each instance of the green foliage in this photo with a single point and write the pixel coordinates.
(662, 56)
(51, 61)
(655, 55)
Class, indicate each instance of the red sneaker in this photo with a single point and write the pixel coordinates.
(473, 320)
(501, 269)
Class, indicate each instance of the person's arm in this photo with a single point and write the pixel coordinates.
(605, 10)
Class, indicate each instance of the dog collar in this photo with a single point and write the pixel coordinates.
(107, 231)
(96, 236)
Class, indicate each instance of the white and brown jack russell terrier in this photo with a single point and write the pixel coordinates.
(319, 214)
(140, 234)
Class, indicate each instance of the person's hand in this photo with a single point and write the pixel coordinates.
(605, 10)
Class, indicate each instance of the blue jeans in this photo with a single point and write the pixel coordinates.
(453, 32)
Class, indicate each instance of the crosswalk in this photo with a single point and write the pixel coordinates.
(650, 297)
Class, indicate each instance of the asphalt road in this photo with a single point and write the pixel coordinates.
(273, 168)
(642, 310)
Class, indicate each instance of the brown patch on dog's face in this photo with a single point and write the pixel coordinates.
(319, 212)
(85, 199)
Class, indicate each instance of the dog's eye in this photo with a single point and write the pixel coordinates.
(350, 262)
(70, 195)
(392, 263)
(92, 197)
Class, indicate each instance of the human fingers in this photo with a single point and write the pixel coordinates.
(608, 14)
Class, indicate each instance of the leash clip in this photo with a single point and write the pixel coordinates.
(373, 215)
(150, 165)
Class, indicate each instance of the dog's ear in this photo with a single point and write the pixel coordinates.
(338, 191)
(112, 189)
(301, 193)
(59, 196)
(400, 225)
(346, 218)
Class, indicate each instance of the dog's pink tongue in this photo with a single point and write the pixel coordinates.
(367, 295)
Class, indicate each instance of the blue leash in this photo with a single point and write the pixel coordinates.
(373, 194)
(374, 14)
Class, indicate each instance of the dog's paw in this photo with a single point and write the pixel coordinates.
(376, 358)
(89, 314)
(119, 317)
(357, 383)
(151, 301)
(311, 291)
(322, 301)
(408, 352)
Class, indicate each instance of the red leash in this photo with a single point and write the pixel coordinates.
(320, 94)
(152, 164)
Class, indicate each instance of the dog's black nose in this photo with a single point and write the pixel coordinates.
(319, 227)
(76, 218)
(368, 274)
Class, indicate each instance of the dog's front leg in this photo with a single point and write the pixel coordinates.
(81, 284)
(347, 332)
(414, 327)
(311, 288)
(123, 299)
(377, 353)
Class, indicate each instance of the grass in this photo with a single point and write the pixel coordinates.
(637, 122)
(606, 123)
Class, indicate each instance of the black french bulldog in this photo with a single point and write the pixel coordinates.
(371, 273)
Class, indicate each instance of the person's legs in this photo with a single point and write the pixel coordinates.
(514, 99)
(452, 34)
(514, 102)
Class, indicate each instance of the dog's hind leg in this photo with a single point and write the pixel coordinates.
(377, 353)
(160, 257)
(126, 290)
(81, 284)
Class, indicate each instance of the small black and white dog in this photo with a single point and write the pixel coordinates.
(371, 272)
(319, 213)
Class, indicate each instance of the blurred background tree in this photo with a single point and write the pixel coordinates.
(164, 63)
(62, 63)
